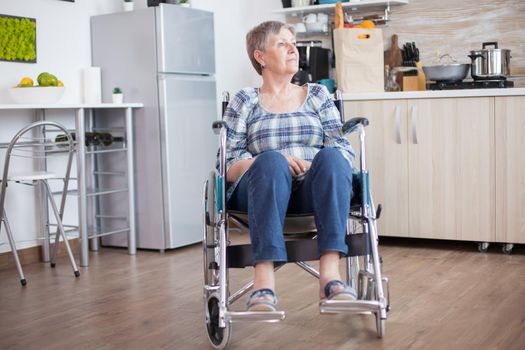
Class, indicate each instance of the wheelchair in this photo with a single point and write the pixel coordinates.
(363, 263)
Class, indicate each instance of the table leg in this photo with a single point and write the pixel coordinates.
(132, 242)
(81, 186)
(41, 198)
(93, 221)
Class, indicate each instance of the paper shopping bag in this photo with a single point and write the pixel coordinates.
(359, 59)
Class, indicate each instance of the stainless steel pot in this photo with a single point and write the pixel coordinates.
(490, 64)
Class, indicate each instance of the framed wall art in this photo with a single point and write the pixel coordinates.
(17, 39)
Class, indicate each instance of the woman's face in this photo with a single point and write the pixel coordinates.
(281, 55)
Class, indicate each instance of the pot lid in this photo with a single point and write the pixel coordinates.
(485, 49)
(488, 50)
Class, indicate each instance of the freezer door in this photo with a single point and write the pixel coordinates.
(185, 42)
(188, 108)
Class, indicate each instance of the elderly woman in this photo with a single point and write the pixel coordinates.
(286, 153)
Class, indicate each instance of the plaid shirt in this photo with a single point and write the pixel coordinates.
(252, 130)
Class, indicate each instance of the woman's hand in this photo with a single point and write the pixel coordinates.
(297, 166)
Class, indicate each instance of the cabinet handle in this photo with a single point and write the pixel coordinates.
(413, 119)
(397, 112)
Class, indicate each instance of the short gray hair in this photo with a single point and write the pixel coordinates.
(257, 38)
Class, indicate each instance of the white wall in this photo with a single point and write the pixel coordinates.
(63, 44)
(63, 41)
(233, 19)
(63, 48)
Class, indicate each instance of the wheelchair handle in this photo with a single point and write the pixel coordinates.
(225, 101)
(217, 126)
(352, 123)
(340, 105)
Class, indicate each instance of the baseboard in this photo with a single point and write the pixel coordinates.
(34, 254)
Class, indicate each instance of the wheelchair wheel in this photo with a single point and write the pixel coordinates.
(380, 325)
(211, 199)
(209, 242)
(218, 337)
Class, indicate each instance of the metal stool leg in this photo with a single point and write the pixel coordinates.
(52, 260)
(60, 230)
(13, 249)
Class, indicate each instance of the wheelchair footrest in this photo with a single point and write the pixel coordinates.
(256, 316)
(348, 306)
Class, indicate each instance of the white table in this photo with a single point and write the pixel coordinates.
(80, 122)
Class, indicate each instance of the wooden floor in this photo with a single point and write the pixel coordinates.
(445, 295)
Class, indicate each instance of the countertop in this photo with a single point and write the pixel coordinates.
(358, 96)
(70, 106)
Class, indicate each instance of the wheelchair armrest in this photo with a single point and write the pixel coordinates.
(217, 126)
(352, 123)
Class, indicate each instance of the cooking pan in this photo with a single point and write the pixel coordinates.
(447, 72)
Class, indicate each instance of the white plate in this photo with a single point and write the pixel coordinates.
(37, 95)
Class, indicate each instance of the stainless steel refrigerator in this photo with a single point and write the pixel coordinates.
(163, 57)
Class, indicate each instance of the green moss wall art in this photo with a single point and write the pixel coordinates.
(17, 39)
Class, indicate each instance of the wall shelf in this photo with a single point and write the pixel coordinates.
(308, 34)
(330, 8)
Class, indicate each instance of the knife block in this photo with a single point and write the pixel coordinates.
(410, 83)
(421, 77)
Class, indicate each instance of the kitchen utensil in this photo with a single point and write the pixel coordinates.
(393, 56)
(447, 72)
(410, 56)
(490, 64)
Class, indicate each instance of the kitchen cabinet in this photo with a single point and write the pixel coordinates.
(510, 169)
(430, 163)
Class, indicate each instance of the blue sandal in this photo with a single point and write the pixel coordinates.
(331, 291)
(262, 299)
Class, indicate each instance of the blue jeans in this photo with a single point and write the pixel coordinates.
(267, 192)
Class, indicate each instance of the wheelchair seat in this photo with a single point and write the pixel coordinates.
(301, 224)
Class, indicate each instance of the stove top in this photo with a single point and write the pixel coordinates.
(474, 84)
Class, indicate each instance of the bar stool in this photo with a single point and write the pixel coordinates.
(28, 146)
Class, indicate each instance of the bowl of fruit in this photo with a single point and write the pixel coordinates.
(48, 90)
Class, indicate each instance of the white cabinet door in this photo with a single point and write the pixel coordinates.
(451, 172)
(510, 169)
(386, 156)
(188, 147)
